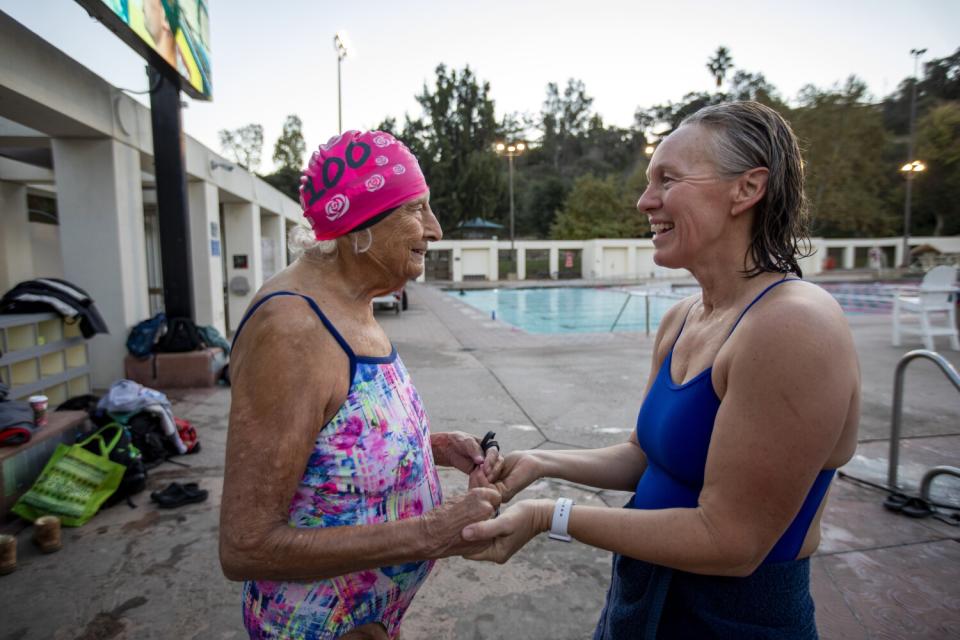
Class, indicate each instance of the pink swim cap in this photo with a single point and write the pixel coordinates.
(355, 177)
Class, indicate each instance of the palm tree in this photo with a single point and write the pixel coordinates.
(719, 64)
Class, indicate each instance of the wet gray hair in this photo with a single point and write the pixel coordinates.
(747, 135)
(301, 241)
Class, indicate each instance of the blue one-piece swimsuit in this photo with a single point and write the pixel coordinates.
(674, 429)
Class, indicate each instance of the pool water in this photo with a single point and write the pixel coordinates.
(606, 309)
(568, 309)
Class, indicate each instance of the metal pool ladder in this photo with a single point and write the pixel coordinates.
(897, 420)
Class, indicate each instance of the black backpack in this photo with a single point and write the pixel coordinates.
(144, 335)
(125, 453)
(146, 430)
(181, 336)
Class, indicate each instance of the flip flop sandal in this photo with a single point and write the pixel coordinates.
(917, 508)
(170, 490)
(895, 501)
(177, 495)
(488, 442)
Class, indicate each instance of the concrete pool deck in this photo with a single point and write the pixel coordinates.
(143, 573)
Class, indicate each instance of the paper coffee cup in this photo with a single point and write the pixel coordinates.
(39, 405)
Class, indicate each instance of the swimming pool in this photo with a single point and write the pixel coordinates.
(569, 309)
(605, 309)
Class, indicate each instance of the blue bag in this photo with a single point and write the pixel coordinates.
(145, 335)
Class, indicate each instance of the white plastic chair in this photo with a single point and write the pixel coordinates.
(936, 295)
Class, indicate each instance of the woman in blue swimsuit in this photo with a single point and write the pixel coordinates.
(751, 405)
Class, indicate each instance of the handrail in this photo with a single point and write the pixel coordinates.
(646, 295)
(625, 303)
(897, 418)
(933, 473)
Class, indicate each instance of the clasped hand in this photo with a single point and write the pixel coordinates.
(512, 529)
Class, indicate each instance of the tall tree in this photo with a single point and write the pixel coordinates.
(719, 64)
(288, 156)
(290, 147)
(243, 145)
(597, 208)
(937, 189)
(847, 179)
(454, 141)
(940, 80)
(746, 85)
(563, 118)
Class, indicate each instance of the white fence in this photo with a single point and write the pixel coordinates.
(607, 259)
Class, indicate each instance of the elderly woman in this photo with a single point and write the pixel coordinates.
(332, 509)
(751, 405)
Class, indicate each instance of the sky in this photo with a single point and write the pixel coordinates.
(271, 59)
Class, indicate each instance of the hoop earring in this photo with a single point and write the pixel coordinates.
(357, 249)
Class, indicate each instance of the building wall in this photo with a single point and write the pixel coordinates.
(632, 259)
(100, 141)
(46, 257)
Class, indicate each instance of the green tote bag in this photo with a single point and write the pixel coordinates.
(75, 481)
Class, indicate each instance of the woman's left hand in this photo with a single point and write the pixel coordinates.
(462, 451)
(509, 532)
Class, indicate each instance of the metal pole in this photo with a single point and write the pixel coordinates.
(510, 158)
(916, 53)
(172, 203)
(339, 103)
(646, 300)
(906, 220)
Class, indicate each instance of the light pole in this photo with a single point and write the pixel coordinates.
(913, 166)
(909, 170)
(511, 151)
(341, 48)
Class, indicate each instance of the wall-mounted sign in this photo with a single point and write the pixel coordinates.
(215, 248)
(172, 35)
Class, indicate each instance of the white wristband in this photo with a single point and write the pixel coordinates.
(561, 516)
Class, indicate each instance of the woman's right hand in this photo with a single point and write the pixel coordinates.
(443, 525)
(520, 469)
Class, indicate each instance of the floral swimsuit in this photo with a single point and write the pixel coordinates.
(371, 463)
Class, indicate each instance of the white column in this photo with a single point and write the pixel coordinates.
(242, 239)
(16, 254)
(205, 252)
(897, 254)
(554, 262)
(284, 226)
(632, 271)
(456, 256)
(493, 263)
(100, 206)
(273, 244)
(521, 263)
(848, 253)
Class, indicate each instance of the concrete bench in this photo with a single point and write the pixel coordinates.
(201, 368)
(21, 465)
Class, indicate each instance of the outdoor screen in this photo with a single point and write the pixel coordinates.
(170, 34)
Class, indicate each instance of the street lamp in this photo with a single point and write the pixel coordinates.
(511, 150)
(913, 166)
(910, 171)
(340, 46)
